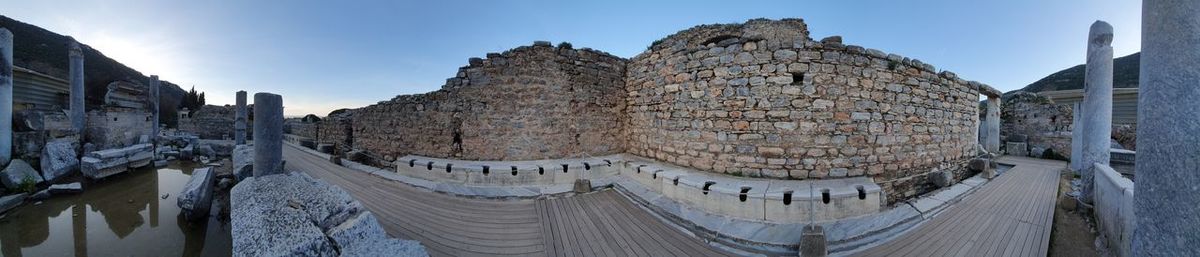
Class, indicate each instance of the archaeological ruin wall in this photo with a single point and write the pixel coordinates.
(528, 103)
(758, 99)
(337, 129)
(762, 99)
(212, 122)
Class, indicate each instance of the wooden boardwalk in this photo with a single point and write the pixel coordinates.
(596, 224)
(1010, 216)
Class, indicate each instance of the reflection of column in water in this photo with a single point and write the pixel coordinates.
(156, 199)
(79, 229)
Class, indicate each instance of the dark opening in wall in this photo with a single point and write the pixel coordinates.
(862, 194)
(655, 174)
(448, 165)
(412, 162)
(564, 168)
(514, 170)
(486, 170)
(798, 78)
(541, 171)
(587, 166)
(429, 166)
(114, 118)
(825, 196)
(706, 185)
(675, 181)
(787, 197)
(608, 162)
(742, 196)
(718, 39)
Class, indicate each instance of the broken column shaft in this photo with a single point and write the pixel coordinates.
(1097, 104)
(268, 134)
(154, 87)
(6, 95)
(239, 119)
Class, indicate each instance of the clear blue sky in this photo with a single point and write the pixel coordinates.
(324, 55)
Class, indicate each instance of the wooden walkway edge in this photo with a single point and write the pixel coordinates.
(1010, 216)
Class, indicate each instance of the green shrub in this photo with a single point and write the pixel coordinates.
(27, 185)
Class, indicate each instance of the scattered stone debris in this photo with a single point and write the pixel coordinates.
(243, 161)
(71, 188)
(293, 214)
(11, 201)
(58, 159)
(104, 163)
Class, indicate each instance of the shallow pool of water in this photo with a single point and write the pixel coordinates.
(131, 214)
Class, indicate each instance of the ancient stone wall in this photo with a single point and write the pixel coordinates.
(337, 129)
(213, 122)
(528, 103)
(762, 99)
(114, 127)
(1043, 124)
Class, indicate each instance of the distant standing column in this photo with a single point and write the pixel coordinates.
(992, 122)
(1077, 137)
(1097, 104)
(268, 134)
(154, 84)
(239, 119)
(6, 94)
(78, 114)
(1166, 196)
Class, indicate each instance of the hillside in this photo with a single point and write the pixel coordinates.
(1125, 75)
(46, 52)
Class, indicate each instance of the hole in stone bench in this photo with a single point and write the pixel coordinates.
(448, 167)
(587, 166)
(743, 196)
(639, 168)
(412, 162)
(825, 196)
(564, 168)
(706, 185)
(608, 162)
(541, 171)
(675, 181)
(514, 170)
(486, 170)
(862, 194)
(787, 197)
(429, 166)
(655, 175)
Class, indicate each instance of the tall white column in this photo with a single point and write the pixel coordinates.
(991, 141)
(6, 94)
(1097, 104)
(77, 105)
(1166, 201)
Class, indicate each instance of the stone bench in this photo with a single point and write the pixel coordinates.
(507, 173)
(778, 201)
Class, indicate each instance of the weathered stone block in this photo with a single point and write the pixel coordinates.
(1017, 149)
(11, 201)
(941, 178)
(58, 159)
(196, 197)
(70, 188)
(243, 162)
(17, 172)
(812, 242)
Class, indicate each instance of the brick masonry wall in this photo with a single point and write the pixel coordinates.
(114, 127)
(528, 103)
(762, 99)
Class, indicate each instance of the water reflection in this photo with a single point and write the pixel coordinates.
(120, 215)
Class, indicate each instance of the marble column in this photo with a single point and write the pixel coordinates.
(1097, 105)
(1076, 137)
(78, 114)
(6, 96)
(268, 134)
(239, 119)
(154, 87)
(1166, 198)
(991, 141)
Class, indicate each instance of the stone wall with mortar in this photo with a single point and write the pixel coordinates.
(114, 127)
(337, 129)
(1046, 124)
(214, 122)
(528, 103)
(763, 99)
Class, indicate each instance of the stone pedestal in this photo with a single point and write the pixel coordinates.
(1167, 188)
(1097, 104)
(154, 87)
(77, 113)
(268, 134)
(239, 119)
(6, 94)
(583, 186)
(991, 141)
(812, 242)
